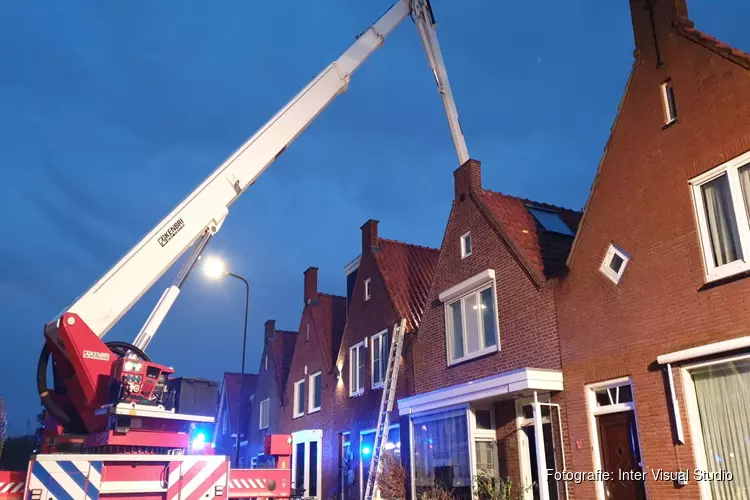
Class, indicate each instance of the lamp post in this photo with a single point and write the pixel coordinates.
(216, 269)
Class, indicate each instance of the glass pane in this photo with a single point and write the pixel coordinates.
(457, 338)
(313, 479)
(626, 394)
(467, 244)
(483, 419)
(301, 398)
(299, 466)
(744, 173)
(441, 453)
(722, 393)
(385, 345)
(616, 263)
(471, 304)
(551, 221)
(488, 317)
(376, 353)
(317, 390)
(485, 452)
(720, 218)
(602, 398)
(361, 361)
(528, 411)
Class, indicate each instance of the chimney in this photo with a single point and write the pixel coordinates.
(270, 329)
(311, 285)
(370, 236)
(467, 177)
(653, 20)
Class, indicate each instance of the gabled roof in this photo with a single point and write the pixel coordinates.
(545, 252)
(686, 28)
(237, 390)
(328, 317)
(407, 272)
(282, 350)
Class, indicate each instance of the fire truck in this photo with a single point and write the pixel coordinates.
(115, 425)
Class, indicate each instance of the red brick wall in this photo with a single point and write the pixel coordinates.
(641, 201)
(265, 388)
(528, 336)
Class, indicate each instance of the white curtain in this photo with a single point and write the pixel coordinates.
(745, 185)
(722, 225)
(723, 397)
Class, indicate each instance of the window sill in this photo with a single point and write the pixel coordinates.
(668, 125)
(377, 386)
(298, 416)
(471, 357)
(314, 410)
(263, 428)
(356, 394)
(726, 277)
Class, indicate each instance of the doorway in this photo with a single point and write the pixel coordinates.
(306, 462)
(528, 446)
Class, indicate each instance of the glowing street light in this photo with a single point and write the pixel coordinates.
(214, 268)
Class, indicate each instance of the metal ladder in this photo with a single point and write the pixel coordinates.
(386, 406)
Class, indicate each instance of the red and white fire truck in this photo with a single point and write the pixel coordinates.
(116, 426)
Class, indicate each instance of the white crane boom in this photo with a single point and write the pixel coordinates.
(201, 214)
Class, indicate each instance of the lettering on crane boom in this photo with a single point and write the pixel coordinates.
(101, 356)
(171, 232)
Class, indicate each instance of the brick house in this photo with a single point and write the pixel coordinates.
(273, 372)
(390, 280)
(235, 401)
(653, 314)
(487, 352)
(308, 400)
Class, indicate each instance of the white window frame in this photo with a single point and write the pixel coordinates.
(474, 285)
(354, 368)
(310, 403)
(383, 362)
(592, 411)
(464, 238)
(265, 404)
(298, 412)
(265, 362)
(367, 289)
(729, 168)
(607, 271)
(693, 415)
(668, 102)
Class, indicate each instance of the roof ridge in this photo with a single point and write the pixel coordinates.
(409, 244)
(286, 331)
(540, 204)
(686, 27)
(321, 294)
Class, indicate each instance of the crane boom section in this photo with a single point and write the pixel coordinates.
(206, 208)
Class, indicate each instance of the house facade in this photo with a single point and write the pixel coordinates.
(487, 370)
(268, 401)
(653, 314)
(390, 280)
(308, 408)
(235, 401)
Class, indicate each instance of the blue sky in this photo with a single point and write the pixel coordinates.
(111, 113)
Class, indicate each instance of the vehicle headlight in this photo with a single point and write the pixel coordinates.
(132, 366)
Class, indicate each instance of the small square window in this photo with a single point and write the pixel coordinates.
(367, 289)
(315, 392)
(299, 398)
(670, 108)
(550, 221)
(465, 245)
(614, 264)
(265, 413)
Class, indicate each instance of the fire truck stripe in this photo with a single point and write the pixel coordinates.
(44, 477)
(18, 487)
(64, 478)
(73, 473)
(244, 483)
(206, 486)
(206, 470)
(97, 466)
(189, 471)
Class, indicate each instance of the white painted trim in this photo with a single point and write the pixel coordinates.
(730, 168)
(352, 266)
(296, 413)
(497, 385)
(367, 289)
(465, 286)
(310, 406)
(605, 268)
(267, 401)
(464, 254)
(704, 350)
(355, 366)
(383, 362)
(668, 117)
(308, 436)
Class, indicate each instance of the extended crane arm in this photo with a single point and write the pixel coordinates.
(202, 213)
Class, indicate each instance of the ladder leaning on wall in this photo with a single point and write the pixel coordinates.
(386, 406)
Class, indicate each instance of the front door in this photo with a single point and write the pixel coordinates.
(618, 438)
(306, 463)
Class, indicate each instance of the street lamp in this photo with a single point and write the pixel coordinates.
(215, 268)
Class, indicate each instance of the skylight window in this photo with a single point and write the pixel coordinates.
(550, 221)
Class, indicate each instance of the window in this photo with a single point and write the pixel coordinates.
(265, 414)
(307, 332)
(367, 289)
(379, 350)
(391, 447)
(465, 245)
(722, 204)
(667, 96)
(441, 453)
(472, 325)
(315, 392)
(614, 264)
(550, 220)
(265, 362)
(299, 398)
(254, 462)
(357, 369)
(719, 416)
